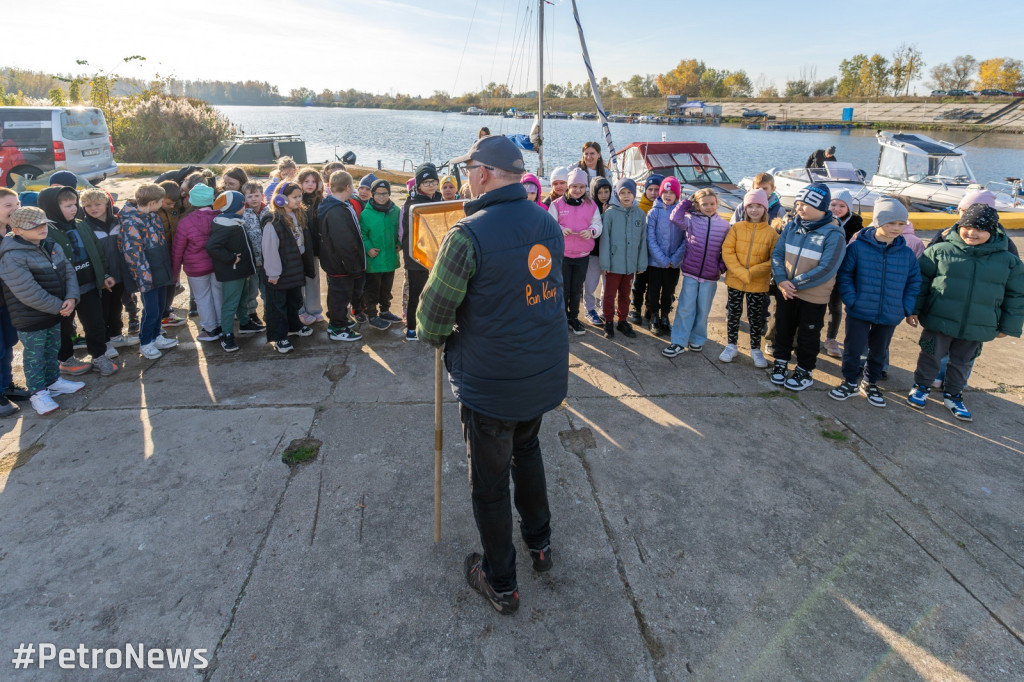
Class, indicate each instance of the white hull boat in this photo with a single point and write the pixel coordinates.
(837, 175)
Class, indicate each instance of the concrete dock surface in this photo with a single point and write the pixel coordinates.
(707, 525)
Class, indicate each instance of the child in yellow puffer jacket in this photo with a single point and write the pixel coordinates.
(747, 252)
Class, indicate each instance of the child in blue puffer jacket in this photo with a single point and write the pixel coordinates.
(878, 281)
(665, 249)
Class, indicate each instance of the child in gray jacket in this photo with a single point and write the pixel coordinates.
(623, 253)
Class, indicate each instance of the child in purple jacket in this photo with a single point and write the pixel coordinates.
(702, 265)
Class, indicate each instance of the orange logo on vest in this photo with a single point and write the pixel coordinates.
(540, 261)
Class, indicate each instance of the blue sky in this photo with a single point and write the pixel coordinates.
(418, 47)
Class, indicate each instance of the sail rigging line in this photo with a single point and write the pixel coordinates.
(465, 45)
(518, 47)
(602, 114)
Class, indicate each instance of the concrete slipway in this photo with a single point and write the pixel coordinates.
(706, 525)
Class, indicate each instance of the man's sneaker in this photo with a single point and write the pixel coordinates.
(283, 346)
(918, 396)
(361, 318)
(410, 335)
(17, 393)
(505, 603)
(729, 353)
(541, 559)
(250, 327)
(150, 351)
(7, 408)
(832, 348)
(576, 327)
(104, 365)
(626, 330)
(955, 404)
(378, 322)
(673, 350)
(843, 391)
(162, 342)
(872, 393)
(758, 357)
(43, 402)
(800, 380)
(609, 330)
(346, 334)
(303, 331)
(133, 328)
(636, 318)
(389, 316)
(64, 386)
(172, 320)
(255, 319)
(228, 343)
(122, 340)
(694, 348)
(206, 335)
(74, 366)
(111, 351)
(78, 342)
(595, 319)
(778, 375)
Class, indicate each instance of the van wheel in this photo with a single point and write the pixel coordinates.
(27, 172)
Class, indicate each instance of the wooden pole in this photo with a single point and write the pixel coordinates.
(438, 442)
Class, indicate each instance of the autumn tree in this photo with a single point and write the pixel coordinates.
(712, 83)
(641, 86)
(956, 75)
(907, 65)
(849, 75)
(553, 91)
(57, 97)
(609, 89)
(1001, 72)
(682, 80)
(737, 84)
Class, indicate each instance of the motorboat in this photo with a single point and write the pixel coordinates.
(257, 149)
(932, 175)
(837, 175)
(692, 163)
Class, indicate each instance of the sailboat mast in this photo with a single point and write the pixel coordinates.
(540, 90)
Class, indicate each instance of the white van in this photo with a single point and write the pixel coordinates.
(37, 140)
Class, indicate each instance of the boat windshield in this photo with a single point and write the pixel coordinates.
(694, 169)
(948, 168)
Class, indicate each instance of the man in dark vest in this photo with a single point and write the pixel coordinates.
(498, 281)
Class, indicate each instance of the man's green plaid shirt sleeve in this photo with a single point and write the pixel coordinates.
(446, 288)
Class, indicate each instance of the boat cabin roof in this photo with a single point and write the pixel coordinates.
(920, 144)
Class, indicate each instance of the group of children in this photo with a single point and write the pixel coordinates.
(239, 242)
(965, 289)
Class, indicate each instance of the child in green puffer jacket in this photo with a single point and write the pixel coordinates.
(972, 291)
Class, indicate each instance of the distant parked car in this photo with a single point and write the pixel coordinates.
(960, 93)
(753, 113)
(938, 93)
(1019, 93)
(994, 92)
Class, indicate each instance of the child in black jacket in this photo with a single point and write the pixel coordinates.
(342, 256)
(233, 264)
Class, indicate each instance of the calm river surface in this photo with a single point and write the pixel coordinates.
(397, 137)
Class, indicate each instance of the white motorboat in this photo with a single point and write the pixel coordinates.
(837, 175)
(932, 174)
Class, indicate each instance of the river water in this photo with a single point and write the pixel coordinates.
(397, 138)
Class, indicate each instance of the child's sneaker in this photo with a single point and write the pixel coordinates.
(843, 391)
(172, 320)
(872, 393)
(832, 348)
(505, 603)
(64, 386)
(955, 404)
(303, 331)
(228, 343)
(609, 330)
(104, 365)
(576, 327)
(283, 346)
(122, 340)
(758, 357)
(673, 350)
(636, 318)
(541, 559)
(255, 319)
(7, 408)
(378, 322)
(307, 319)
(918, 396)
(778, 375)
(361, 318)
(346, 334)
(800, 380)
(595, 319)
(162, 342)
(43, 402)
(133, 328)
(74, 366)
(694, 348)
(250, 327)
(626, 330)
(205, 335)
(410, 335)
(729, 353)
(389, 316)
(111, 350)
(150, 351)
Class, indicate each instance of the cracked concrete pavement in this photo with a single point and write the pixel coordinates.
(706, 525)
